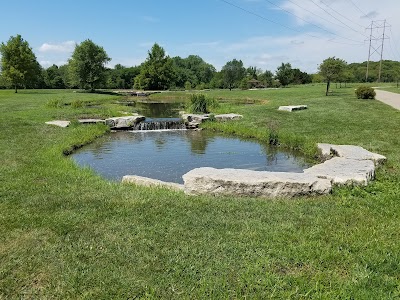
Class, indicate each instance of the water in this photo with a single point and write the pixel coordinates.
(159, 110)
(167, 155)
(161, 124)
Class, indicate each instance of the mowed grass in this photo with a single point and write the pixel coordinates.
(67, 233)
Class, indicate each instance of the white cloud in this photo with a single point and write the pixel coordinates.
(150, 19)
(64, 47)
(48, 63)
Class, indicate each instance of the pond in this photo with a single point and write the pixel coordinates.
(167, 155)
(159, 109)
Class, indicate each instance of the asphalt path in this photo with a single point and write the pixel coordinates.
(389, 98)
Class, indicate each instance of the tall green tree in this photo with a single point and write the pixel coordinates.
(266, 78)
(192, 69)
(156, 72)
(87, 65)
(233, 73)
(52, 78)
(284, 74)
(331, 69)
(18, 63)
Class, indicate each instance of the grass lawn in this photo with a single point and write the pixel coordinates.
(393, 89)
(66, 233)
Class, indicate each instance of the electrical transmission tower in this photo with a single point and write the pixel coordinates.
(376, 42)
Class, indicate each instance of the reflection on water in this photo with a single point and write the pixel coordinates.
(170, 154)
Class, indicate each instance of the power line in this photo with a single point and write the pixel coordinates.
(337, 18)
(394, 41)
(311, 12)
(393, 52)
(359, 9)
(343, 16)
(285, 26)
(330, 32)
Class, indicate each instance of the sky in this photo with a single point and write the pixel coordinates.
(261, 33)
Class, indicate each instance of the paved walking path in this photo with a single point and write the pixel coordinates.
(389, 98)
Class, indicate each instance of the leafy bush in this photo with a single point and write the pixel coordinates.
(365, 92)
(201, 104)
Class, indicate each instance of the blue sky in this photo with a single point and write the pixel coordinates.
(261, 33)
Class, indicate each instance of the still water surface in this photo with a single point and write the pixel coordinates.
(167, 155)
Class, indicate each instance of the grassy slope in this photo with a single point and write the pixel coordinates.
(392, 89)
(67, 233)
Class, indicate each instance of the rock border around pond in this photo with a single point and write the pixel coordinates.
(353, 165)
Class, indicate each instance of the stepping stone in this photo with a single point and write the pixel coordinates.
(228, 117)
(59, 123)
(292, 107)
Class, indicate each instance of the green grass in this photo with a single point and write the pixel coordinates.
(66, 233)
(393, 89)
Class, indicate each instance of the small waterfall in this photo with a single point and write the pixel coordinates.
(161, 124)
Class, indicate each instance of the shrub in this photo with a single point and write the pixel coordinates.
(273, 127)
(365, 92)
(55, 103)
(77, 104)
(188, 86)
(201, 104)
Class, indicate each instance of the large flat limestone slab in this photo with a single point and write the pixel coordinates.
(239, 182)
(145, 181)
(344, 171)
(228, 117)
(351, 152)
(59, 123)
(292, 107)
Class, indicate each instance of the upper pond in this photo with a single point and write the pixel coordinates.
(167, 155)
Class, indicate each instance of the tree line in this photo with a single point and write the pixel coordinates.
(87, 69)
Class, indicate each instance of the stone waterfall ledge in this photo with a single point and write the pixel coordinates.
(145, 181)
(124, 122)
(193, 121)
(240, 182)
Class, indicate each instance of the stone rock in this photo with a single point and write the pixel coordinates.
(192, 125)
(198, 118)
(59, 123)
(228, 117)
(292, 107)
(239, 182)
(352, 152)
(139, 180)
(325, 149)
(344, 171)
(91, 121)
(124, 122)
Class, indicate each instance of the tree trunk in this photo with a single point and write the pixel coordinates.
(16, 89)
(327, 88)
